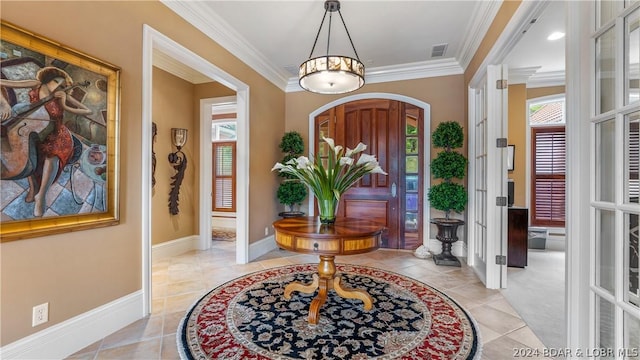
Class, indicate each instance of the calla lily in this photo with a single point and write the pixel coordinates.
(277, 166)
(329, 141)
(366, 158)
(345, 160)
(378, 170)
(303, 162)
(330, 177)
(359, 148)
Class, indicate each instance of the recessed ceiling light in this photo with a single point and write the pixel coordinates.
(555, 36)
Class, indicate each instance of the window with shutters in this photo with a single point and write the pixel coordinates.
(548, 183)
(548, 165)
(224, 180)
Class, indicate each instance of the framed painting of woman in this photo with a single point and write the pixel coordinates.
(58, 139)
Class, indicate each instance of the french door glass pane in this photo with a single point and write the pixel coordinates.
(607, 10)
(605, 250)
(632, 157)
(605, 324)
(605, 132)
(605, 71)
(631, 337)
(631, 256)
(632, 57)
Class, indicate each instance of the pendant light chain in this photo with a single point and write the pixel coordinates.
(348, 35)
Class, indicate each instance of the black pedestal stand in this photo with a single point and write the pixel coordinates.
(447, 234)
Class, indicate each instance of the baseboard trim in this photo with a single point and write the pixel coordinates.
(68, 337)
(175, 247)
(261, 247)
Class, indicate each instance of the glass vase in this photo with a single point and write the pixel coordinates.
(327, 208)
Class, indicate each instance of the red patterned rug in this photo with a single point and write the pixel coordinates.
(223, 234)
(248, 318)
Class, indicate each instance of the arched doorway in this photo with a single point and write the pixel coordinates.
(393, 129)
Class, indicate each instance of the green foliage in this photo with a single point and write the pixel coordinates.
(449, 164)
(448, 196)
(291, 193)
(292, 143)
(448, 135)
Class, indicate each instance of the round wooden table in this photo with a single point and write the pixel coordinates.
(347, 236)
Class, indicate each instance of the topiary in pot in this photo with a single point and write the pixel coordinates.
(448, 196)
(291, 191)
(292, 145)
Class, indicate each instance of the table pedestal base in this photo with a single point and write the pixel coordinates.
(325, 280)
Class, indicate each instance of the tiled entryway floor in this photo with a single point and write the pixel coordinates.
(178, 282)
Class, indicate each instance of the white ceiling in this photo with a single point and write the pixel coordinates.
(393, 39)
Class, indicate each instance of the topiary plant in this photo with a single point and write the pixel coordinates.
(292, 145)
(291, 191)
(448, 165)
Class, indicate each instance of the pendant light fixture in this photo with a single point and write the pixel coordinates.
(331, 74)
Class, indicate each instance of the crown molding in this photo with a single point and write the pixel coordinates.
(411, 71)
(521, 75)
(546, 79)
(484, 13)
(216, 28)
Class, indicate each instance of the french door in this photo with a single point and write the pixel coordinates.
(488, 166)
(614, 208)
(393, 131)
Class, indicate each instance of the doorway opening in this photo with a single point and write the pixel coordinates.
(396, 200)
(156, 46)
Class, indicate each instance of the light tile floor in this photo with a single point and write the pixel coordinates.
(180, 281)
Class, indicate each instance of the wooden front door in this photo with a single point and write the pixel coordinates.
(395, 200)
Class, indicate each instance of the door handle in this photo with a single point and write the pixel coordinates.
(394, 190)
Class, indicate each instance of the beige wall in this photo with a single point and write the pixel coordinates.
(173, 107)
(533, 93)
(79, 271)
(445, 94)
(518, 136)
(506, 11)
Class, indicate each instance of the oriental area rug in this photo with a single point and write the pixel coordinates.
(249, 318)
(223, 234)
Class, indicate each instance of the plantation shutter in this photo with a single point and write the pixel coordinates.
(549, 169)
(224, 181)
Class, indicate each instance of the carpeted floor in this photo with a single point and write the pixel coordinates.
(537, 294)
(223, 234)
(248, 317)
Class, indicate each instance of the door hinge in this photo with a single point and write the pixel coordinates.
(501, 142)
(501, 84)
(501, 260)
(501, 201)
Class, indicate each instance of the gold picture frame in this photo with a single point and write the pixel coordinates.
(60, 129)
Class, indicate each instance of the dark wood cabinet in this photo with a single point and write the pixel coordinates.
(518, 237)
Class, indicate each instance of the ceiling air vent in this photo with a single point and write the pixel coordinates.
(438, 50)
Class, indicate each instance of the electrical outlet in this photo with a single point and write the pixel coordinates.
(40, 314)
(266, 230)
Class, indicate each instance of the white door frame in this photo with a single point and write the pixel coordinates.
(490, 242)
(154, 40)
(426, 205)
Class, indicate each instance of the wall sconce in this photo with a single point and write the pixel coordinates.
(179, 162)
